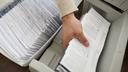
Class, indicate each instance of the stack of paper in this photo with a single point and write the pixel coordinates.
(79, 58)
(27, 27)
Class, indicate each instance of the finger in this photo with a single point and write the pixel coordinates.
(83, 39)
(66, 40)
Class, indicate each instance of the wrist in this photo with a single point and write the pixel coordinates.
(68, 17)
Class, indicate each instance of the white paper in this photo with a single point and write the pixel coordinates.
(27, 27)
(79, 58)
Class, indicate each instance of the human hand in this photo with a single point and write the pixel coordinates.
(72, 28)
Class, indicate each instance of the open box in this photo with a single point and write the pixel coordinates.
(36, 55)
(112, 55)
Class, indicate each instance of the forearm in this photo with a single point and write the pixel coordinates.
(71, 26)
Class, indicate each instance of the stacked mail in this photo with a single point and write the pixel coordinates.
(27, 27)
(79, 58)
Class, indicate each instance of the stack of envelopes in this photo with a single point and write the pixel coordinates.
(79, 58)
(27, 27)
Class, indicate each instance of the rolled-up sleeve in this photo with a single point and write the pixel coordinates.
(66, 7)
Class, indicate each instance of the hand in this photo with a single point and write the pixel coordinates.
(72, 28)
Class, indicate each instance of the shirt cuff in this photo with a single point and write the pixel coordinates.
(66, 7)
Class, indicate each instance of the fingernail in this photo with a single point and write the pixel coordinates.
(86, 44)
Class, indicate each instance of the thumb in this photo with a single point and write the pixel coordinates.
(83, 39)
